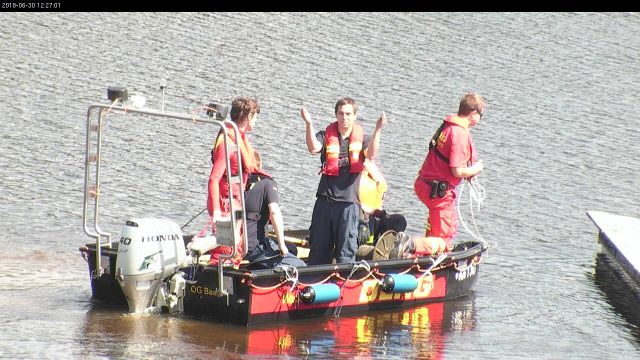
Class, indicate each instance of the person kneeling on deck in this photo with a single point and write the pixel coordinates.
(425, 246)
(374, 222)
(376, 226)
(261, 202)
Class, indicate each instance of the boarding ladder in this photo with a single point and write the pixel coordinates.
(90, 216)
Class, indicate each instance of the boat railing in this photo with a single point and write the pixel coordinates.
(93, 157)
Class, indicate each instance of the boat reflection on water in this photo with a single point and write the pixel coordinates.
(619, 289)
(420, 331)
(415, 333)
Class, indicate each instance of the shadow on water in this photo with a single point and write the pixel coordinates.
(415, 333)
(619, 289)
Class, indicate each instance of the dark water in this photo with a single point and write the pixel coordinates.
(560, 137)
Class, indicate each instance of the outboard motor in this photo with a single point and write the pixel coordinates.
(150, 252)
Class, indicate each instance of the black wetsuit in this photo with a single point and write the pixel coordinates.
(263, 252)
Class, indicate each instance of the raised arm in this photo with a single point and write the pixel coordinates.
(313, 145)
(372, 150)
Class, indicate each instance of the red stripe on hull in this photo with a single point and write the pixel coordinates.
(353, 293)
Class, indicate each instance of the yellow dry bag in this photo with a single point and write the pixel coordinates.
(372, 188)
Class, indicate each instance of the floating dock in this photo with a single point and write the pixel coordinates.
(620, 235)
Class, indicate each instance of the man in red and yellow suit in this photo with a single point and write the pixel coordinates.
(343, 148)
(244, 113)
(451, 158)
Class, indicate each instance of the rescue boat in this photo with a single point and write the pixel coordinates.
(153, 267)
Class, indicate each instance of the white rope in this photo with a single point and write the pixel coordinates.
(290, 274)
(362, 264)
(477, 194)
(435, 263)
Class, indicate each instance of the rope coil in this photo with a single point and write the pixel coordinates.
(478, 194)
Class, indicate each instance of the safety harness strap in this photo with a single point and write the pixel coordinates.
(434, 141)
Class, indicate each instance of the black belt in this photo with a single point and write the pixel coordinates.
(437, 187)
(325, 198)
(329, 200)
(343, 162)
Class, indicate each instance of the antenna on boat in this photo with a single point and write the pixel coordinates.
(163, 84)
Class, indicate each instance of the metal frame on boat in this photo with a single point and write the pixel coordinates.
(151, 267)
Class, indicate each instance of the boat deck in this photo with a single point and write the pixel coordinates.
(621, 235)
